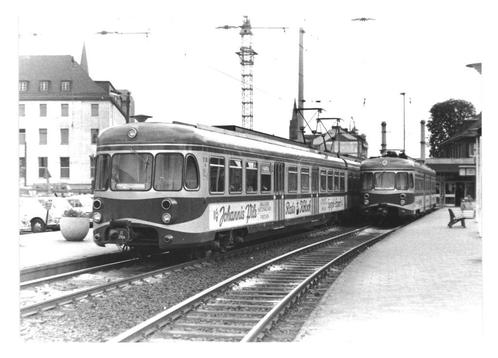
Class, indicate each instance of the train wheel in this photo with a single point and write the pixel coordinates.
(38, 225)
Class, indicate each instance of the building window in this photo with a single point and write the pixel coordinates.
(22, 136)
(23, 86)
(64, 167)
(42, 167)
(22, 167)
(22, 110)
(94, 135)
(65, 86)
(43, 135)
(44, 86)
(64, 109)
(95, 109)
(64, 136)
(43, 110)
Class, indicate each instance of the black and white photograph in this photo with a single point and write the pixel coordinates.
(299, 175)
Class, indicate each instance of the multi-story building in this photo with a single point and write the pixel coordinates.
(61, 113)
(342, 141)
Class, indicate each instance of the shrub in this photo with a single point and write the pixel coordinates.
(73, 213)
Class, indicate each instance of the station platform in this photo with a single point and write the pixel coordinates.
(50, 248)
(422, 283)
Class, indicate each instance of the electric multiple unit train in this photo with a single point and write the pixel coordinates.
(396, 186)
(175, 186)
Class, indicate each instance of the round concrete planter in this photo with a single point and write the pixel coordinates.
(74, 229)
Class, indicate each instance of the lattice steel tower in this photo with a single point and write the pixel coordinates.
(246, 55)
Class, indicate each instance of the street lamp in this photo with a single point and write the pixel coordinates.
(403, 94)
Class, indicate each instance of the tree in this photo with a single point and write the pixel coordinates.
(446, 118)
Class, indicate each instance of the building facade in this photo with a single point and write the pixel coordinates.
(61, 113)
(458, 164)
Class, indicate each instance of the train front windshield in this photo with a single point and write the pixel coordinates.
(127, 171)
(387, 180)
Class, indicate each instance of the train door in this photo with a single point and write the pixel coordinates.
(278, 185)
(314, 191)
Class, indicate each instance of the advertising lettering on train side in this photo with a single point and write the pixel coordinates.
(297, 208)
(229, 215)
(330, 204)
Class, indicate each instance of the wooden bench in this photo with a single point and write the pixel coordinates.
(454, 219)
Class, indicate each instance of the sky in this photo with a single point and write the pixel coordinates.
(187, 70)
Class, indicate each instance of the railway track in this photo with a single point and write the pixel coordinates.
(244, 307)
(63, 297)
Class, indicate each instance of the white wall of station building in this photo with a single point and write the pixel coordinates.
(79, 123)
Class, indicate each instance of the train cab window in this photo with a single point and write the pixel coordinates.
(330, 180)
(251, 177)
(131, 171)
(314, 180)
(265, 177)
(191, 173)
(323, 180)
(168, 173)
(384, 180)
(102, 171)
(342, 181)
(217, 175)
(410, 180)
(305, 180)
(235, 176)
(401, 181)
(366, 181)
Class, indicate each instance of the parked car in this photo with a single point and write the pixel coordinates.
(35, 216)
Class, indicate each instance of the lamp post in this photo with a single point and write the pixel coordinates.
(403, 94)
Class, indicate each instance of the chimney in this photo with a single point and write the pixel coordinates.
(422, 140)
(383, 145)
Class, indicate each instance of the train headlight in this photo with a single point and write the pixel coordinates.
(132, 133)
(402, 195)
(97, 217)
(97, 204)
(166, 218)
(366, 196)
(366, 202)
(402, 201)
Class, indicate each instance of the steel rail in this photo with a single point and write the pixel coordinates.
(151, 325)
(279, 308)
(35, 308)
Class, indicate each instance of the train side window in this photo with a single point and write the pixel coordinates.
(366, 181)
(410, 180)
(314, 180)
(292, 179)
(323, 180)
(217, 175)
(305, 180)
(265, 178)
(102, 171)
(330, 180)
(337, 184)
(191, 173)
(235, 176)
(342, 181)
(251, 177)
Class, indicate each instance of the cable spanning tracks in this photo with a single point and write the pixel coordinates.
(245, 306)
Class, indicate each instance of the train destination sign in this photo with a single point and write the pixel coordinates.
(230, 215)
